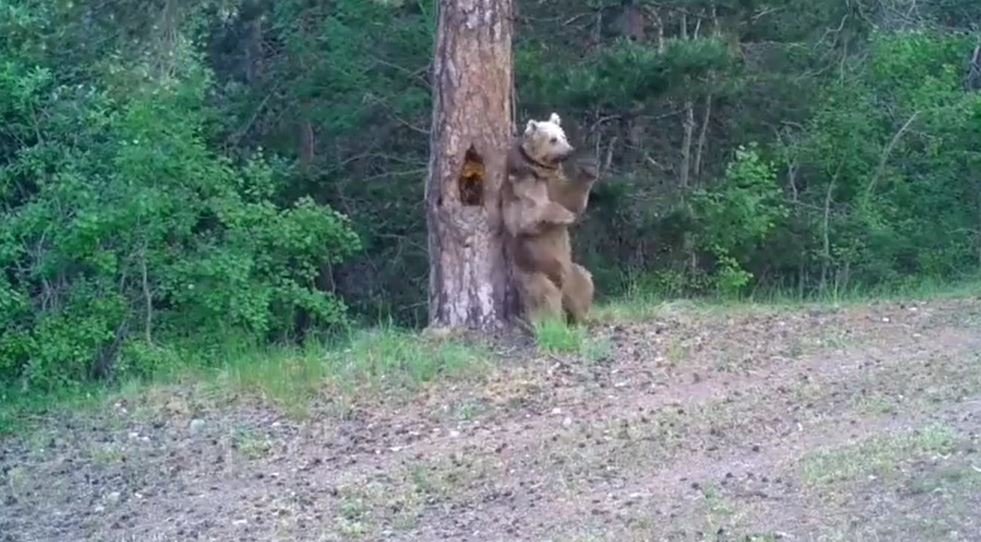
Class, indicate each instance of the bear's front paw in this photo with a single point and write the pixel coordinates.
(561, 215)
(586, 172)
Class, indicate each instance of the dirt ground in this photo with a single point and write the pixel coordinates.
(856, 423)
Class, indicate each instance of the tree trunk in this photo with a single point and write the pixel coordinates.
(470, 280)
(689, 130)
(702, 139)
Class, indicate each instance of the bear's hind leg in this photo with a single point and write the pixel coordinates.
(540, 297)
(577, 294)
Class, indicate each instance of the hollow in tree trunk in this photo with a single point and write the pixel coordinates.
(470, 282)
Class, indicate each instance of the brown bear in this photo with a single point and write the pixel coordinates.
(539, 205)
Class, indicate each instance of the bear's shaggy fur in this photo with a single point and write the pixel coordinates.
(539, 205)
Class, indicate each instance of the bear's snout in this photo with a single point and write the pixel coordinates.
(566, 152)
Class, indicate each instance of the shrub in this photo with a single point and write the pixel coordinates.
(120, 224)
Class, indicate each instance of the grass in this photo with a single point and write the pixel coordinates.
(914, 290)
(390, 354)
(389, 357)
(20, 410)
(368, 507)
(876, 457)
(106, 454)
(639, 304)
(289, 378)
(384, 358)
(250, 444)
(954, 480)
(557, 337)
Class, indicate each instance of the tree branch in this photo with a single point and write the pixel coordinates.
(888, 151)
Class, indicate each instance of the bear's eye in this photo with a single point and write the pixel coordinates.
(554, 140)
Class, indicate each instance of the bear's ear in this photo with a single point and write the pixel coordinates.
(531, 127)
(554, 119)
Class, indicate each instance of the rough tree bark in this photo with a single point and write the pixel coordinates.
(470, 282)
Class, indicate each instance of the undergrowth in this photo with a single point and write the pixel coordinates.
(381, 360)
(387, 359)
(640, 304)
(556, 337)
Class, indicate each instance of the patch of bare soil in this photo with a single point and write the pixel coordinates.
(860, 423)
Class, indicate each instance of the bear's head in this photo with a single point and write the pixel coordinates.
(545, 141)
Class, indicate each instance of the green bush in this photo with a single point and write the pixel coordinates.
(734, 217)
(121, 225)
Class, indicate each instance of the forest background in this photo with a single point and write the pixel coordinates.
(176, 177)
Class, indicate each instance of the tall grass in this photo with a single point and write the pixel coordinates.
(381, 359)
(556, 337)
(387, 358)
